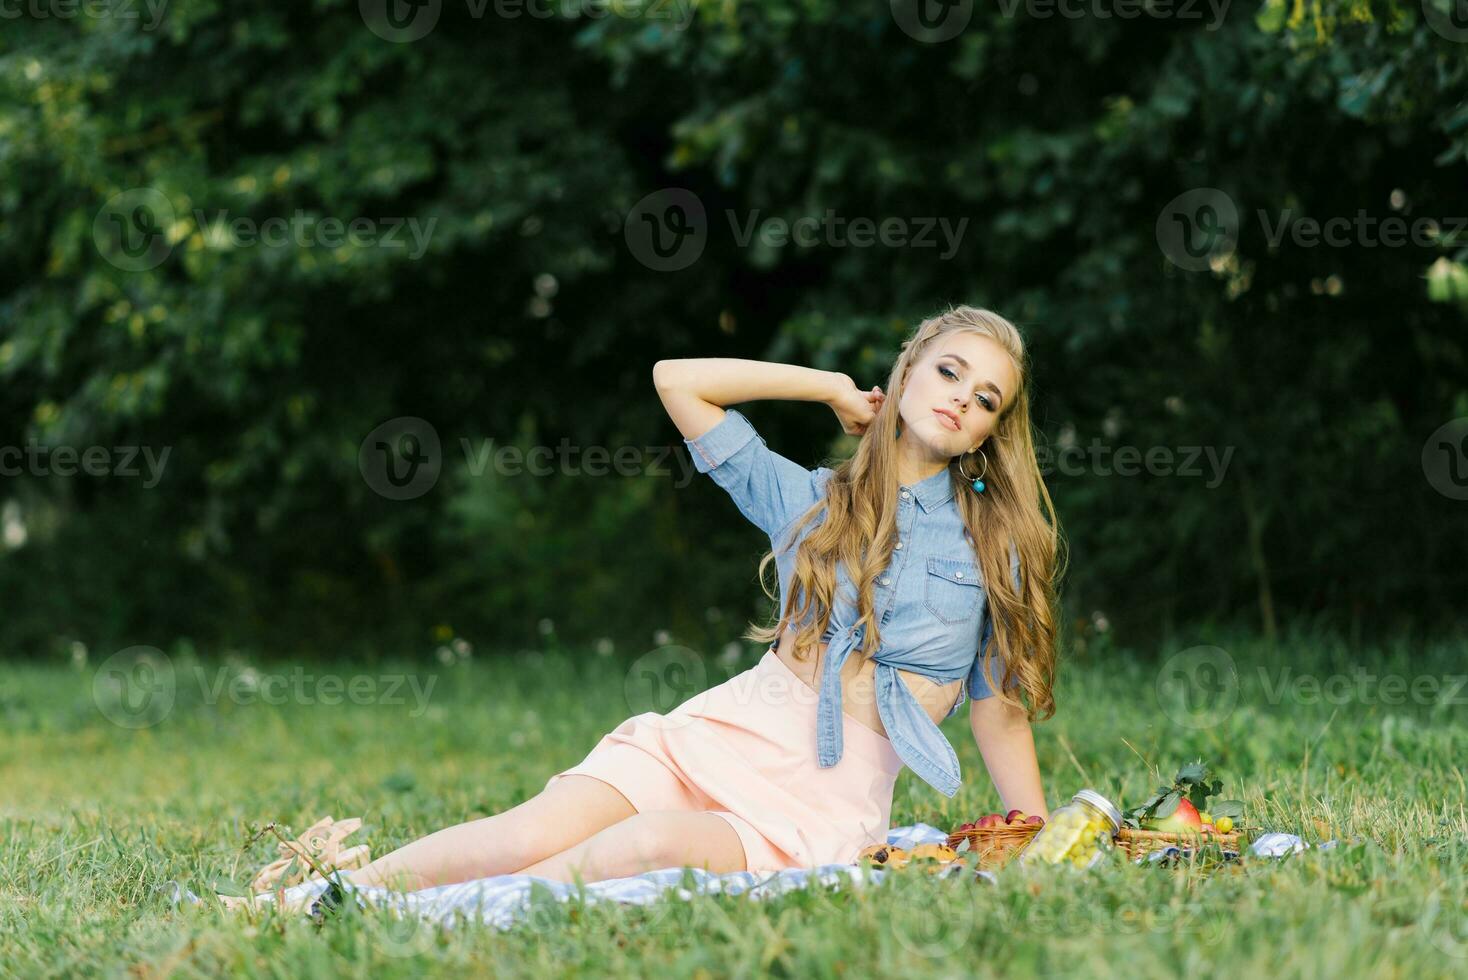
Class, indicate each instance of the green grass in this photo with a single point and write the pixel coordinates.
(96, 816)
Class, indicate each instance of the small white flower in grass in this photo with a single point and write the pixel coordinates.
(547, 627)
(1102, 624)
(78, 654)
(445, 655)
(662, 637)
(249, 679)
(604, 647)
(462, 648)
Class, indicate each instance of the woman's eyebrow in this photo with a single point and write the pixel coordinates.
(987, 384)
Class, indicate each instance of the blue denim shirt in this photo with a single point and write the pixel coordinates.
(930, 599)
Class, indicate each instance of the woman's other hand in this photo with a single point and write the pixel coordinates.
(854, 407)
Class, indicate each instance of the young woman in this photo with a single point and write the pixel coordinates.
(916, 574)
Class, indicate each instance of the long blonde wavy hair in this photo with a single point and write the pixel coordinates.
(861, 509)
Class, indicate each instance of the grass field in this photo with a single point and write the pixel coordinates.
(1314, 739)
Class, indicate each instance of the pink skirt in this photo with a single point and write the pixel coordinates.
(746, 751)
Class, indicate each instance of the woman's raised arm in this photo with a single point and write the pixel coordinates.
(695, 389)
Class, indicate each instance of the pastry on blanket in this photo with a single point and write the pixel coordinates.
(322, 844)
(934, 852)
(887, 855)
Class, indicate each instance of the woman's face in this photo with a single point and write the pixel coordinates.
(955, 393)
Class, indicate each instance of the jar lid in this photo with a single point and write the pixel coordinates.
(1101, 803)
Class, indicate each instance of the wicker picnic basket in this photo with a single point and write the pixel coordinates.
(1139, 843)
(994, 845)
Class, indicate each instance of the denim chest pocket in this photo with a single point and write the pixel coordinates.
(951, 590)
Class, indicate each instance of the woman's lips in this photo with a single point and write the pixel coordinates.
(947, 419)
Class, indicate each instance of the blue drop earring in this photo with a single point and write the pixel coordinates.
(978, 483)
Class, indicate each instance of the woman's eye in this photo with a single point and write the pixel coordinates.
(987, 402)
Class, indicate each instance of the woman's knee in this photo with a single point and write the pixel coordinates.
(638, 843)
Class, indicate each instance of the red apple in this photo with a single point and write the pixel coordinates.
(1035, 820)
(1183, 820)
(990, 820)
(1014, 816)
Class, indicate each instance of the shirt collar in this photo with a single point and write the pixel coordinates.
(933, 492)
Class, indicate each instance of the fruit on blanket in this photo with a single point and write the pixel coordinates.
(1205, 817)
(1224, 825)
(1183, 820)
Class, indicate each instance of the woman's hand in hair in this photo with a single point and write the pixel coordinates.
(854, 407)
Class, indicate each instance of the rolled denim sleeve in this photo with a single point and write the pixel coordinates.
(767, 488)
(978, 685)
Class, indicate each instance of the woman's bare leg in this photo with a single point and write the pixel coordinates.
(647, 841)
(560, 816)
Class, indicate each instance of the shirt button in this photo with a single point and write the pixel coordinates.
(886, 581)
(899, 546)
(904, 495)
(958, 574)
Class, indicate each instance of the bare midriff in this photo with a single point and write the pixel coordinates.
(859, 687)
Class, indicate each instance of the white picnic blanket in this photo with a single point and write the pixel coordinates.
(504, 900)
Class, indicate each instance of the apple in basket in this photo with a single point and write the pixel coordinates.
(1183, 820)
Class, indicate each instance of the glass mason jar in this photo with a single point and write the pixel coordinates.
(1078, 833)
